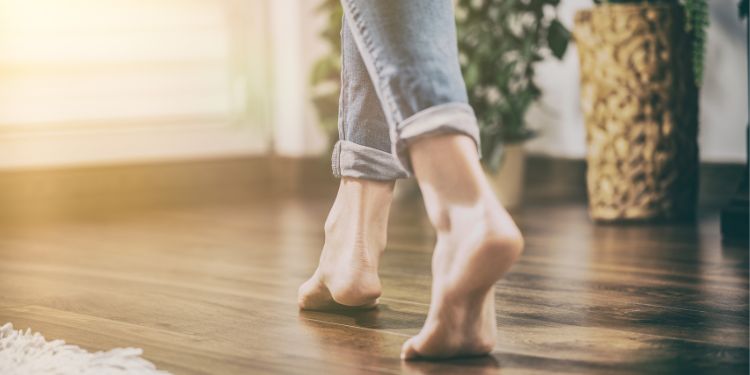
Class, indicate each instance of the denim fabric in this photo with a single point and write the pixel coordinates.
(364, 147)
(401, 80)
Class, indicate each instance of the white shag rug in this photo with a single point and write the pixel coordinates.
(26, 353)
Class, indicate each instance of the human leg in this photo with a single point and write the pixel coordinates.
(409, 49)
(355, 230)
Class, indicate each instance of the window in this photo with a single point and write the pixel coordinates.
(97, 81)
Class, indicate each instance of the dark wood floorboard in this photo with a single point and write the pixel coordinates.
(212, 290)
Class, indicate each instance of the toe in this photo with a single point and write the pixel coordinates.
(408, 351)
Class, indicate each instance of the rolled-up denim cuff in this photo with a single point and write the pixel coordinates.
(449, 118)
(353, 160)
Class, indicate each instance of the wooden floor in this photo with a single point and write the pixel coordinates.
(211, 290)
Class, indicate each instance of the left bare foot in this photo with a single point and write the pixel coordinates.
(347, 275)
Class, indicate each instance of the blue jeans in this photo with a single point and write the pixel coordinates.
(400, 81)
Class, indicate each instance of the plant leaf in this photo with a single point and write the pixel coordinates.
(557, 38)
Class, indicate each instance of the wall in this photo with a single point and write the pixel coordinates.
(295, 46)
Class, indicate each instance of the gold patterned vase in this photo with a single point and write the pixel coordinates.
(640, 106)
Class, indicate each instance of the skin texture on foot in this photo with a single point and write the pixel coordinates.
(477, 242)
(355, 237)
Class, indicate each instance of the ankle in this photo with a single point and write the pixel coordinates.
(360, 211)
(447, 167)
(486, 225)
(446, 216)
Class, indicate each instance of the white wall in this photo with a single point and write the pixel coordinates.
(723, 96)
(295, 46)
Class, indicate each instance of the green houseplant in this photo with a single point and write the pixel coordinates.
(500, 41)
(641, 67)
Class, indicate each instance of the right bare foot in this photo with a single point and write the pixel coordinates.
(355, 231)
(477, 242)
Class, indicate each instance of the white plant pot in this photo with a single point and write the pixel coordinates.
(508, 180)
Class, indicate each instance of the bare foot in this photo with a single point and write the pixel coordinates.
(347, 275)
(477, 242)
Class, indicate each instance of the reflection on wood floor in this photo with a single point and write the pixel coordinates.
(212, 289)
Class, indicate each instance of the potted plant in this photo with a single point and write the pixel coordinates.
(499, 42)
(641, 64)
